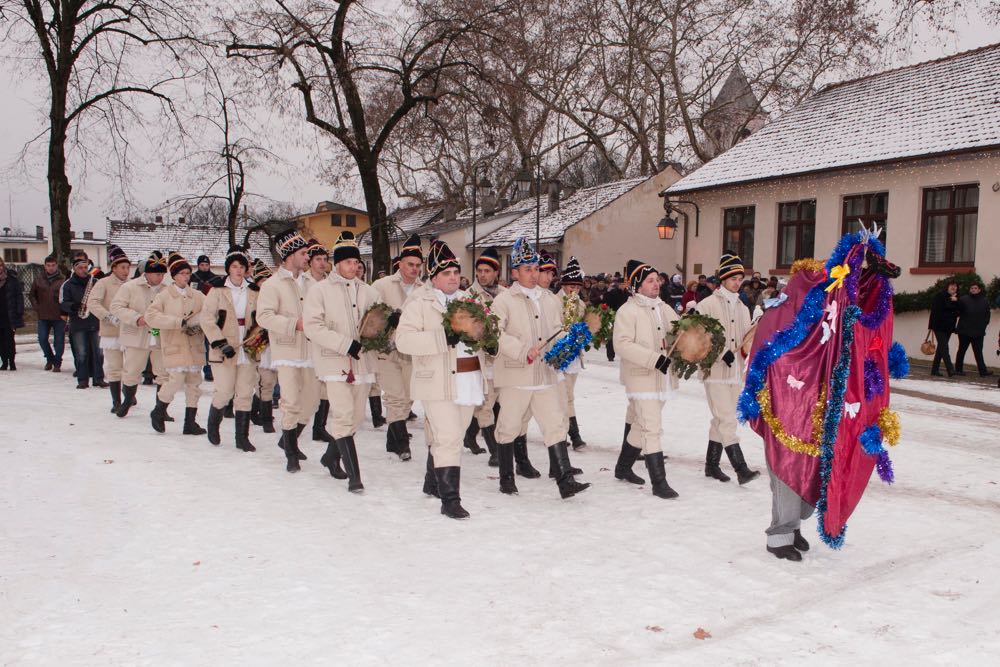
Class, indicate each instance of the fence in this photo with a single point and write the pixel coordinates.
(26, 273)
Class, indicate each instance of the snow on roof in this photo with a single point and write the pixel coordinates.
(938, 107)
(138, 239)
(571, 210)
(407, 220)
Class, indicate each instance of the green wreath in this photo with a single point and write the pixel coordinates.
(470, 313)
(380, 342)
(604, 318)
(680, 366)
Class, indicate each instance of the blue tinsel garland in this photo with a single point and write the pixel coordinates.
(874, 382)
(871, 440)
(569, 347)
(899, 363)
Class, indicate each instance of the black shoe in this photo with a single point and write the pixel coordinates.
(156, 416)
(116, 396)
(712, 459)
(319, 432)
(936, 374)
(448, 482)
(100, 384)
(255, 411)
(574, 434)
(290, 443)
(331, 461)
(56, 368)
(524, 467)
(375, 405)
(128, 399)
(191, 427)
(626, 459)
(962, 373)
(489, 437)
(430, 479)
(987, 374)
(568, 486)
(411, 417)
(743, 473)
(82, 384)
(267, 416)
(505, 456)
(787, 552)
(214, 422)
(243, 432)
(554, 468)
(470, 437)
(349, 457)
(800, 543)
(397, 440)
(48, 366)
(658, 476)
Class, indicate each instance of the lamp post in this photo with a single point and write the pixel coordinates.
(481, 187)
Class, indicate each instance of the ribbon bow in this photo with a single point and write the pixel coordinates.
(838, 273)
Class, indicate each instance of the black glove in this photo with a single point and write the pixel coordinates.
(662, 364)
(217, 344)
(228, 352)
(394, 319)
(729, 357)
(453, 339)
(354, 350)
(491, 350)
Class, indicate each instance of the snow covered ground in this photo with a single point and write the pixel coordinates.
(120, 546)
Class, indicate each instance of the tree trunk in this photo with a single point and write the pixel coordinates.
(59, 187)
(377, 215)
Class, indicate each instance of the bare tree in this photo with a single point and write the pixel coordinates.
(89, 49)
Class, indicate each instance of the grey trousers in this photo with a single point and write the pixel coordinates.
(787, 512)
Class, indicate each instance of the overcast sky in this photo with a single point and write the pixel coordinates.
(23, 192)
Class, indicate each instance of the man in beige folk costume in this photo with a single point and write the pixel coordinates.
(394, 369)
(641, 326)
(129, 305)
(229, 312)
(486, 286)
(725, 381)
(99, 305)
(318, 270)
(447, 375)
(279, 310)
(333, 313)
(527, 323)
(262, 407)
(176, 313)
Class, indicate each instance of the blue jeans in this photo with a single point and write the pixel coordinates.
(58, 330)
(87, 355)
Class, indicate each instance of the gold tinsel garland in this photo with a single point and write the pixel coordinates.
(790, 441)
(807, 264)
(888, 423)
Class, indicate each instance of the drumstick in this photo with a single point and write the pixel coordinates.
(676, 340)
(540, 347)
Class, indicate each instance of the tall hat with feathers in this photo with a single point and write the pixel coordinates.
(176, 263)
(547, 263)
(288, 242)
(316, 249)
(523, 253)
(440, 257)
(346, 248)
(237, 254)
(573, 273)
(637, 271)
(730, 265)
(116, 255)
(259, 272)
(156, 263)
(489, 257)
(412, 248)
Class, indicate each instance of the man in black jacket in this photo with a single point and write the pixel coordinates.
(972, 324)
(83, 331)
(203, 280)
(945, 309)
(615, 297)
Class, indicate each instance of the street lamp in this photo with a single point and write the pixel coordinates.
(481, 188)
(666, 228)
(523, 182)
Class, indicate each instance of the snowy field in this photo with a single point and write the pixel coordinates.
(121, 546)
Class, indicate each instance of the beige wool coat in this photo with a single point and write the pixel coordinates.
(523, 326)
(99, 304)
(333, 311)
(219, 300)
(420, 335)
(279, 307)
(639, 338)
(735, 319)
(129, 304)
(167, 312)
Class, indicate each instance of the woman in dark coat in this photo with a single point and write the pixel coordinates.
(945, 310)
(11, 315)
(972, 323)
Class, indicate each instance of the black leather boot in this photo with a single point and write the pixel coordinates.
(349, 457)
(157, 414)
(505, 454)
(319, 432)
(400, 440)
(255, 410)
(430, 480)
(743, 473)
(128, 399)
(116, 396)
(331, 461)
(281, 442)
(800, 543)
(628, 428)
(574, 434)
(214, 422)
(290, 443)
(553, 466)
(470, 437)
(375, 405)
(228, 411)
(391, 442)
(712, 459)
(267, 416)
(658, 476)
(489, 437)
(448, 482)
(411, 417)
(568, 486)
(243, 432)
(524, 467)
(626, 459)
(191, 427)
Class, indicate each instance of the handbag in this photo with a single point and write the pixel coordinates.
(928, 347)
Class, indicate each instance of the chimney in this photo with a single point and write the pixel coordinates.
(553, 193)
(489, 205)
(502, 203)
(39, 234)
(158, 219)
(72, 236)
(88, 236)
(450, 212)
